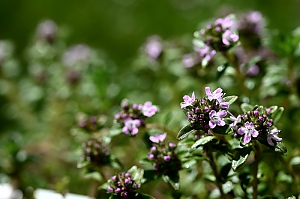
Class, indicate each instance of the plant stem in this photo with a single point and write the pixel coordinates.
(213, 166)
(240, 76)
(256, 149)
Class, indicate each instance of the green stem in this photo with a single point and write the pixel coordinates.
(240, 76)
(256, 149)
(213, 166)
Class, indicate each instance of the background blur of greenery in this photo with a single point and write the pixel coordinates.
(119, 28)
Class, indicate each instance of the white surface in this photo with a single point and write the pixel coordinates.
(49, 194)
(6, 192)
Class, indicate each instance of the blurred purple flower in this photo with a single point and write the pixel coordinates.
(226, 22)
(153, 47)
(47, 30)
(75, 54)
(189, 60)
(252, 70)
(131, 126)
(148, 109)
(248, 131)
(158, 138)
(229, 37)
(205, 52)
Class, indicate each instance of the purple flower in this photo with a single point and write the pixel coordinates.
(272, 136)
(76, 54)
(189, 60)
(205, 52)
(229, 37)
(153, 47)
(167, 158)
(235, 120)
(131, 126)
(216, 118)
(148, 109)
(226, 22)
(47, 30)
(158, 138)
(217, 94)
(252, 70)
(248, 130)
(188, 101)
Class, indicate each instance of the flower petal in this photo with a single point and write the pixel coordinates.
(247, 138)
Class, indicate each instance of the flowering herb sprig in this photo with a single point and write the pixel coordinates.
(123, 186)
(126, 185)
(133, 116)
(257, 124)
(206, 113)
(220, 35)
(163, 156)
(95, 153)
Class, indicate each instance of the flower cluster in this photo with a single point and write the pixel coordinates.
(219, 36)
(208, 112)
(250, 29)
(123, 186)
(163, 155)
(131, 117)
(255, 124)
(96, 152)
(47, 30)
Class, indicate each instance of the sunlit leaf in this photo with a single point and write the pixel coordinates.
(184, 132)
(230, 99)
(202, 141)
(276, 115)
(246, 107)
(240, 157)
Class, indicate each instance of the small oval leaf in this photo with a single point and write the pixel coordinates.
(184, 132)
(246, 107)
(230, 99)
(202, 142)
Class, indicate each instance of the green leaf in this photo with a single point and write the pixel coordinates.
(276, 115)
(230, 99)
(82, 164)
(240, 157)
(224, 172)
(150, 175)
(94, 175)
(188, 164)
(145, 196)
(223, 130)
(136, 173)
(246, 107)
(280, 148)
(173, 181)
(115, 130)
(202, 142)
(184, 132)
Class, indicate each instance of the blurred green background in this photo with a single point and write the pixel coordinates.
(121, 26)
